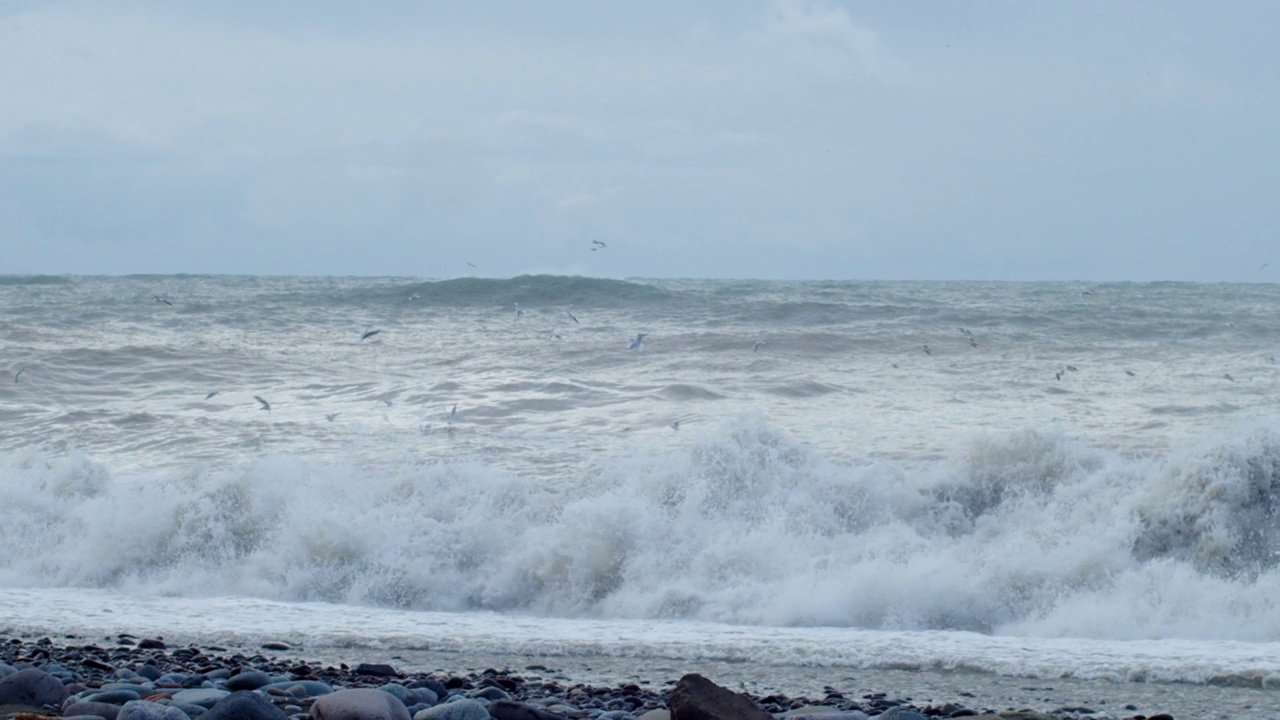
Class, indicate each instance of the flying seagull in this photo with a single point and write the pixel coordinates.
(965, 332)
(927, 351)
(1130, 373)
(759, 344)
(1228, 376)
(972, 342)
(414, 296)
(675, 425)
(1058, 375)
(1073, 368)
(638, 343)
(210, 395)
(598, 244)
(18, 374)
(331, 416)
(571, 317)
(369, 334)
(453, 414)
(166, 302)
(265, 405)
(519, 310)
(472, 266)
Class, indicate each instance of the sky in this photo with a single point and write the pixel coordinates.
(787, 139)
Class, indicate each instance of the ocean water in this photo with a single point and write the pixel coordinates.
(1074, 483)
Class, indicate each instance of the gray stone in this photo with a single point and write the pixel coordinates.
(831, 714)
(512, 710)
(697, 698)
(204, 697)
(901, 713)
(244, 705)
(107, 711)
(147, 710)
(32, 687)
(359, 704)
(150, 672)
(656, 714)
(378, 669)
(489, 693)
(313, 688)
(248, 680)
(460, 709)
(115, 697)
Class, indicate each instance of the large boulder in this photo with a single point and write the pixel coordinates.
(697, 698)
(243, 705)
(359, 704)
(32, 687)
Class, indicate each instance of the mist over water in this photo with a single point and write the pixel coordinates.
(1022, 484)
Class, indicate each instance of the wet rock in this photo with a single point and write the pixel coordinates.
(243, 706)
(247, 680)
(147, 710)
(359, 704)
(107, 711)
(461, 709)
(32, 687)
(697, 698)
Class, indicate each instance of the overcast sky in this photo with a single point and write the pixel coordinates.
(735, 138)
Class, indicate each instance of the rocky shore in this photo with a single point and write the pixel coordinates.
(130, 678)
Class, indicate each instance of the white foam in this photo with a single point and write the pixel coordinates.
(1027, 534)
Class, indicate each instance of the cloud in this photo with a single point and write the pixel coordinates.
(826, 42)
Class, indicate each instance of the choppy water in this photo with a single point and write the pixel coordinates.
(836, 477)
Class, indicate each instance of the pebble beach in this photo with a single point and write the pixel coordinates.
(144, 678)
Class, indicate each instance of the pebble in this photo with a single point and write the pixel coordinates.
(157, 681)
(146, 710)
(359, 704)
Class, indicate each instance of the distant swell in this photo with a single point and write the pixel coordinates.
(1026, 533)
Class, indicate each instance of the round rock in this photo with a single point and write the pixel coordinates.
(32, 687)
(244, 705)
(462, 709)
(248, 680)
(359, 704)
(147, 710)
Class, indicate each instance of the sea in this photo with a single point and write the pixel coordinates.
(1031, 495)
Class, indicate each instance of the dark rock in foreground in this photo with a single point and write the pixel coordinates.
(697, 698)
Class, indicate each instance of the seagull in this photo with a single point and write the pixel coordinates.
(759, 344)
(972, 342)
(965, 332)
(675, 425)
(1058, 375)
(1072, 368)
(571, 317)
(414, 296)
(638, 343)
(386, 399)
(453, 414)
(472, 265)
(210, 395)
(369, 334)
(331, 416)
(1130, 373)
(598, 243)
(1264, 266)
(18, 374)
(927, 351)
(1228, 376)
(166, 302)
(1086, 292)
(519, 310)
(265, 405)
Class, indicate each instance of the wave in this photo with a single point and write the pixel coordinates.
(529, 290)
(1027, 533)
(35, 280)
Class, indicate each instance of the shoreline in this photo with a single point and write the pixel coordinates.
(563, 683)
